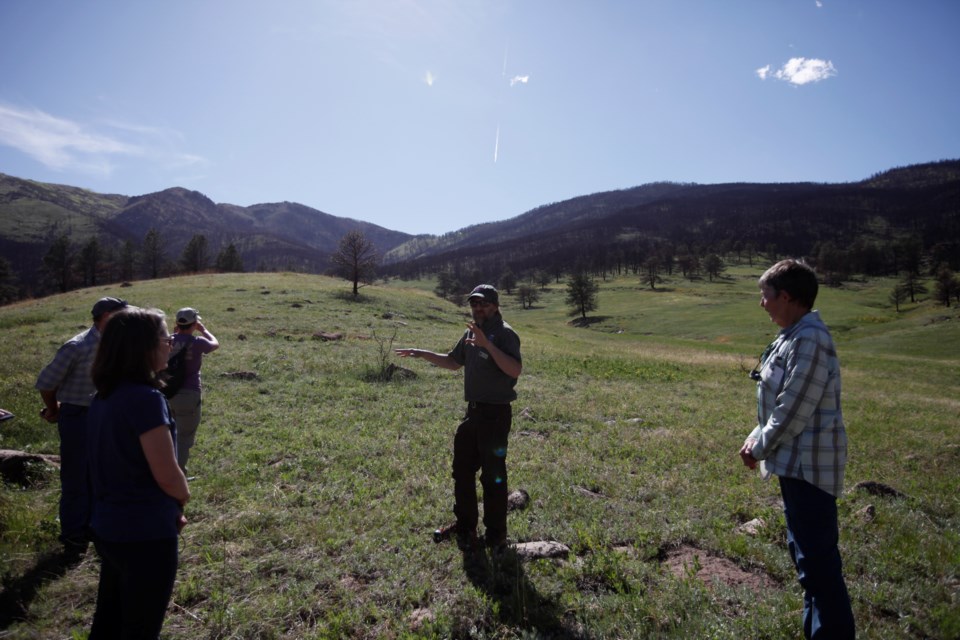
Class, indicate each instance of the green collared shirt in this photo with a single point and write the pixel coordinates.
(483, 381)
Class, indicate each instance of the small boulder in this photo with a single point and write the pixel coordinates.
(419, 617)
(541, 549)
(394, 371)
(20, 467)
(868, 513)
(518, 499)
(753, 527)
(590, 493)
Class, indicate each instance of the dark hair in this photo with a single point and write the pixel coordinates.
(127, 348)
(795, 277)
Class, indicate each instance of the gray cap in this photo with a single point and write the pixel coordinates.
(106, 305)
(187, 316)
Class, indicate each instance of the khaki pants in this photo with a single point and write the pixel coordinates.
(186, 411)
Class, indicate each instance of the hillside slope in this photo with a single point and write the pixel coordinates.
(916, 206)
(268, 236)
(907, 214)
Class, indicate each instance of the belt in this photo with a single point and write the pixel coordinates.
(78, 408)
(481, 405)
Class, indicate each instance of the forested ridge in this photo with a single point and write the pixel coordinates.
(907, 219)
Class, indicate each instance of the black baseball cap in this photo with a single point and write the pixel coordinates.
(485, 292)
(106, 305)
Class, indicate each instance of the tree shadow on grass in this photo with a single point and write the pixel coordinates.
(520, 606)
(18, 593)
(586, 322)
(347, 296)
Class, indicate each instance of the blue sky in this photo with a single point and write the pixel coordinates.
(428, 116)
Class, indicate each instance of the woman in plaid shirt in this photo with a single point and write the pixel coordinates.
(800, 438)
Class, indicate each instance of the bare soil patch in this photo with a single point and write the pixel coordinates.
(712, 569)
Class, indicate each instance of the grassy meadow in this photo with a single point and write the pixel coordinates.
(317, 486)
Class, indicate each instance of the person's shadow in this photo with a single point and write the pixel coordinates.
(18, 593)
(500, 575)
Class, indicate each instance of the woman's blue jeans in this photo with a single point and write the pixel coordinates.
(812, 538)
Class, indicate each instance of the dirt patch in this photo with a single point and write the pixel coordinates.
(711, 569)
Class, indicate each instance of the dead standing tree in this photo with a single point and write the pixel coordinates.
(355, 259)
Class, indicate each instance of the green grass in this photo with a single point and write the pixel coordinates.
(317, 490)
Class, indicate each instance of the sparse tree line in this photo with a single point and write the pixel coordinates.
(695, 255)
(581, 294)
(67, 265)
(581, 279)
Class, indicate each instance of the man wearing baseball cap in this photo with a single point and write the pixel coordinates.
(489, 351)
(66, 388)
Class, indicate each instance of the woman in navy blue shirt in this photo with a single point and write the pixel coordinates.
(139, 490)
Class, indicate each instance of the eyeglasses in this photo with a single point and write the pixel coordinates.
(475, 302)
(168, 340)
(755, 374)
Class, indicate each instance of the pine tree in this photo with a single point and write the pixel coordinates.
(229, 260)
(58, 263)
(153, 254)
(195, 254)
(582, 293)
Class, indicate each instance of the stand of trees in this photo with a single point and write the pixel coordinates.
(67, 266)
(8, 289)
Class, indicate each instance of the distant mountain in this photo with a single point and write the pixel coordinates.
(282, 235)
(867, 226)
(543, 219)
(893, 219)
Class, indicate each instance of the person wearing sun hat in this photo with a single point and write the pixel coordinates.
(489, 352)
(186, 404)
(66, 388)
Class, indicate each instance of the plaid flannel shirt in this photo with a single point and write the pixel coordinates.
(69, 371)
(800, 432)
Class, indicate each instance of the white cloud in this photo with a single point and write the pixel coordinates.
(819, 4)
(800, 71)
(65, 145)
(58, 143)
(429, 79)
(519, 80)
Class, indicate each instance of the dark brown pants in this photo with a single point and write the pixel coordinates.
(481, 445)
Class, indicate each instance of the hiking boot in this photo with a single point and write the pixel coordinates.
(445, 532)
(74, 547)
(496, 543)
(468, 541)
